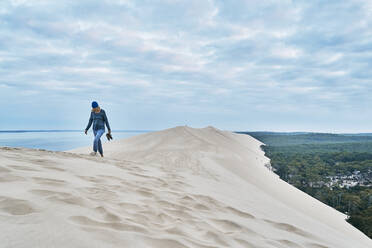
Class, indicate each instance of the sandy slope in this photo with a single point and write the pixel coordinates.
(181, 187)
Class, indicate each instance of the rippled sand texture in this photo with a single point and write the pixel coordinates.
(181, 187)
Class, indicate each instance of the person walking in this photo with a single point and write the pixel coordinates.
(99, 119)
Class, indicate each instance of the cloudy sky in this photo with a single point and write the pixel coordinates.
(237, 64)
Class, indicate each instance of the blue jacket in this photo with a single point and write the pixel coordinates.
(99, 120)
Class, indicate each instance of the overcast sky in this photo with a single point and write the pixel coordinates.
(236, 65)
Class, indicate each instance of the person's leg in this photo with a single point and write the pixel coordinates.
(94, 141)
(100, 147)
(98, 142)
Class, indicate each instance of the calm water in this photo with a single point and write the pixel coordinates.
(56, 140)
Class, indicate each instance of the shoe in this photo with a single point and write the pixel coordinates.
(109, 136)
(101, 155)
(93, 153)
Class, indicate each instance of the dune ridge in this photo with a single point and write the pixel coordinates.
(180, 187)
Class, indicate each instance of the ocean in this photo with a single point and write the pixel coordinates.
(56, 140)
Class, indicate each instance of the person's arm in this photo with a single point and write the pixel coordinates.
(106, 121)
(89, 123)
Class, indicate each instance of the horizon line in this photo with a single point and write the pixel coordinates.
(147, 130)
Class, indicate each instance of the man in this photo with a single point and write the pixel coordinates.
(99, 119)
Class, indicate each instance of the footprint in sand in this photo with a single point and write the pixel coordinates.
(199, 202)
(315, 245)
(49, 181)
(15, 206)
(207, 200)
(118, 226)
(164, 242)
(227, 225)
(204, 202)
(160, 218)
(99, 193)
(141, 175)
(290, 228)
(240, 213)
(180, 213)
(112, 178)
(215, 238)
(201, 207)
(92, 179)
(145, 192)
(107, 215)
(71, 200)
(60, 197)
(231, 227)
(247, 244)
(131, 206)
(171, 205)
(288, 243)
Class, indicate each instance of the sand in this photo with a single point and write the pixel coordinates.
(180, 187)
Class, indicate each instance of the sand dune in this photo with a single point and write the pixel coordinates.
(181, 187)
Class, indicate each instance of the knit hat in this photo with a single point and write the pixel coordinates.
(94, 104)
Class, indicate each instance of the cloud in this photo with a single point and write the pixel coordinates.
(210, 56)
